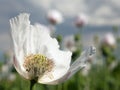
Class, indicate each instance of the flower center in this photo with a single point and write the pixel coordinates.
(37, 65)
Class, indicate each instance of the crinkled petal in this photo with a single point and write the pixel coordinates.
(76, 65)
(20, 69)
(40, 39)
(19, 27)
(62, 65)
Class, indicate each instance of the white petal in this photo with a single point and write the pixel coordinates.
(62, 65)
(19, 27)
(77, 65)
(81, 61)
(20, 69)
(40, 38)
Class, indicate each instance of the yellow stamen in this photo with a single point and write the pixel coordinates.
(37, 65)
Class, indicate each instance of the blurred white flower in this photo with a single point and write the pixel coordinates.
(109, 39)
(91, 61)
(37, 55)
(113, 65)
(11, 77)
(86, 70)
(69, 43)
(6, 69)
(81, 20)
(54, 17)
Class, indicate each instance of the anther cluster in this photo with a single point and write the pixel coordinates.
(37, 65)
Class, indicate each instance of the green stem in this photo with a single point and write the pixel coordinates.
(32, 83)
(59, 87)
(81, 35)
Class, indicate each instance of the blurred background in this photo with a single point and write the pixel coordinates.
(76, 25)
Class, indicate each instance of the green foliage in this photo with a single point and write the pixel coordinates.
(77, 37)
(76, 54)
(59, 38)
(98, 78)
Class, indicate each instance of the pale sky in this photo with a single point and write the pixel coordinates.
(99, 12)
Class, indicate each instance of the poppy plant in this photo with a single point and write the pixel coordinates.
(37, 56)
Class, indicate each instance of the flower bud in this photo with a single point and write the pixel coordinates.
(54, 17)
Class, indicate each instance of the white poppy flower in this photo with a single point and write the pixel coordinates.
(109, 39)
(81, 20)
(6, 68)
(69, 43)
(54, 17)
(37, 55)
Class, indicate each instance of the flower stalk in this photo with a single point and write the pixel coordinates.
(32, 83)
